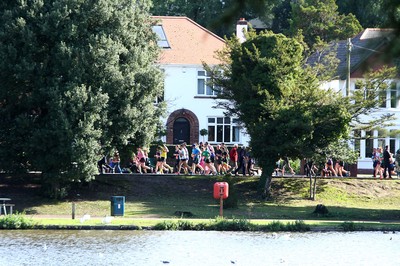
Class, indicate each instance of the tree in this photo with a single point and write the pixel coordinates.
(370, 13)
(203, 132)
(75, 76)
(216, 15)
(368, 98)
(320, 20)
(280, 103)
(282, 13)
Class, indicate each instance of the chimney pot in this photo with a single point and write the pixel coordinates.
(241, 27)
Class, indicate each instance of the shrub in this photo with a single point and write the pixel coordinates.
(348, 226)
(297, 226)
(16, 221)
(179, 225)
(277, 226)
(220, 224)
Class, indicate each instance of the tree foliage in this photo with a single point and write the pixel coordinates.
(368, 98)
(75, 76)
(216, 15)
(279, 102)
(370, 13)
(320, 20)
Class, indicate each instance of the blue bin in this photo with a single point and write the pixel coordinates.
(117, 205)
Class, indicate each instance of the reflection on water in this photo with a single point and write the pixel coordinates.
(40, 247)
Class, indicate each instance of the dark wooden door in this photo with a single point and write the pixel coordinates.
(181, 131)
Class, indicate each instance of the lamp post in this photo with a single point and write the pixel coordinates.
(349, 45)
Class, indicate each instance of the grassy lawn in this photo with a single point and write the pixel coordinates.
(374, 202)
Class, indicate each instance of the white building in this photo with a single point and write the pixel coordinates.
(367, 52)
(190, 100)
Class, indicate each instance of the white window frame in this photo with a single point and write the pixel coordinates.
(217, 127)
(204, 86)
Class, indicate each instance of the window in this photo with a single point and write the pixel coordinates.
(204, 86)
(394, 95)
(392, 141)
(162, 38)
(381, 139)
(369, 144)
(223, 129)
(159, 99)
(382, 98)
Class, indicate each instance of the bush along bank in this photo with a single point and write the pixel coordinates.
(220, 224)
(20, 221)
(16, 221)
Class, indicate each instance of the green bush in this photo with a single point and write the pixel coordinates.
(277, 226)
(348, 226)
(297, 226)
(178, 225)
(220, 224)
(16, 221)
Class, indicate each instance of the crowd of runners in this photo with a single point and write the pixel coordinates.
(201, 158)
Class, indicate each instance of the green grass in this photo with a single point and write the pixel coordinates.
(373, 202)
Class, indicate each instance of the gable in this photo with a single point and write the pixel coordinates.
(367, 52)
(189, 43)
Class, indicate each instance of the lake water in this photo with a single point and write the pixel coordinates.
(53, 247)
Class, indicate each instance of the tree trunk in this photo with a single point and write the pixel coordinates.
(267, 188)
(311, 190)
(266, 179)
(315, 187)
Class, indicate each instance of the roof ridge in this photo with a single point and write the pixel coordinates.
(191, 21)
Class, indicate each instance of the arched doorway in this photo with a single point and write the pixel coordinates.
(182, 124)
(181, 131)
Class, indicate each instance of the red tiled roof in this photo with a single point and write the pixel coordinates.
(190, 43)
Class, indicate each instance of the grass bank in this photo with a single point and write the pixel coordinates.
(352, 203)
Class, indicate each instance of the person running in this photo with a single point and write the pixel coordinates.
(159, 163)
(164, 154)
(206, 155)
(339, 168)
(183, 159)
(242, 157)
(225, 167)
(329, 167)
(286, 163)
(218, 158)
(117, 163)
(233, 158)
(378, 158)
(386, 163)
(141, 158)
(177, 160)
(196, 156)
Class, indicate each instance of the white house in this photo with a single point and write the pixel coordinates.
(366, 53)
(190, 100)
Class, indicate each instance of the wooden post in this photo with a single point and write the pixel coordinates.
(221, 201)
(349, 45)
(73, 210)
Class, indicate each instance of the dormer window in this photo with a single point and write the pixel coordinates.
(162, 37)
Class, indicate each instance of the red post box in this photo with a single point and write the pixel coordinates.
(221, 189)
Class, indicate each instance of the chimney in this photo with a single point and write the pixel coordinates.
(241, 27)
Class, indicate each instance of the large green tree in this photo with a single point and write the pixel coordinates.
(74, 76)
(279, 102)
(370, 13)
(320, 20)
